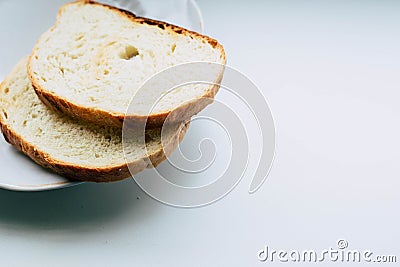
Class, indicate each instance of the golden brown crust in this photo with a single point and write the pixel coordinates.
(87, 173)
(99, 116)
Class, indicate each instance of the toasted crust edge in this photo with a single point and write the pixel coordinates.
(99, 116)
(85, 173)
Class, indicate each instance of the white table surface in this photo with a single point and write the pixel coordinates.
(330, 71)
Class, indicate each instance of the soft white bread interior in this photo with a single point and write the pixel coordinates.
(96, 57)
(72, 148)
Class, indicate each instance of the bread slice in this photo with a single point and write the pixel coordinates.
(74, 149)
(96, 57)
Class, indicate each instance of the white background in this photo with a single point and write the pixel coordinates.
(330, 71)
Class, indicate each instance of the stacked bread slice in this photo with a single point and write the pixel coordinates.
(66, 104)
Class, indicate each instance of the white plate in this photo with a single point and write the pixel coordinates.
(21, 24)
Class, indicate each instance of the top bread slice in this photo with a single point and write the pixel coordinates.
(96, 57)
(75, 149)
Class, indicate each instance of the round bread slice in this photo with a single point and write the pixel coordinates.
(96, 58)
(75, 149)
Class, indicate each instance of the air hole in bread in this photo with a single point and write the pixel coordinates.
(7, 90)
(129, 52)
(5, 115)
(173, 48)
(24, 123)
(79, 37)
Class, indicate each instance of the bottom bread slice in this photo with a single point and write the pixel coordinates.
(71, 148)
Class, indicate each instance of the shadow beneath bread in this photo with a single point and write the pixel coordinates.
(78, 209)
